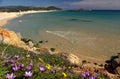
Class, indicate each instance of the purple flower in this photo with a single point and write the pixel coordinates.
(10, 56)
(6, 63)
(12, 65)
(42, 68)
(29, 67)
(21, 65)
(53, 71)
(92, 77)
(17, 57)
(28, 74)
(16, 68)
(10, 76)
(85, 75)
(12, 61)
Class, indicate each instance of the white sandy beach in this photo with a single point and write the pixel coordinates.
(5, 16)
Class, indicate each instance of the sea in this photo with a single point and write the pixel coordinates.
(92, 35)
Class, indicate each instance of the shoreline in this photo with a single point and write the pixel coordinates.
(59, 45)
(7, 16)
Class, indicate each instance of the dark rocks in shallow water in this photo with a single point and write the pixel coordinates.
(81, 20)
(113, 64)
(41, 41)
(85, 20)
(73, 19)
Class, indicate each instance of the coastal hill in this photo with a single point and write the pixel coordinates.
(26, 8)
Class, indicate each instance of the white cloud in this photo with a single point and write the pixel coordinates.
(97, 4)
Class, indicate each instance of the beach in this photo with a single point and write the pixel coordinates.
(86, 48)
(85, 34)
(77, 45)
(6, 16)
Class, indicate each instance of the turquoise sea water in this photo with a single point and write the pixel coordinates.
(96, 21)
(88, 31)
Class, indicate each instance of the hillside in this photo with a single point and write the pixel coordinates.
(26, 8)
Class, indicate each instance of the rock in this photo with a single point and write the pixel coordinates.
(109, 68)
(30, 44)
(115, 63)
(113, 66)
(117, 70)
(76, 70)
(19, 35)
(12, 38)
(71, 58)
(73, 19)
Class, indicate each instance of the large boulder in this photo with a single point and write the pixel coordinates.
(116, 61)
(113, 65)
(72, 59)
(30, 44)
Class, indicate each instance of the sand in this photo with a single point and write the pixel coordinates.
(63, 45)
(5, 16)
(94, 48)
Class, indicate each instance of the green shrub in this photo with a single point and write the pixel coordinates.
(52, 49)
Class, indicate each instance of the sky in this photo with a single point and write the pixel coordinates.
(66, 4)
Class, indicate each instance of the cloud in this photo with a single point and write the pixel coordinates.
(97, 4)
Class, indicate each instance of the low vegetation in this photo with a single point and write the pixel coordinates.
(17, 63)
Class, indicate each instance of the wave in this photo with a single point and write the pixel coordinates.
(64, 34)
(72, 36)
(68, 35)
(58, 33)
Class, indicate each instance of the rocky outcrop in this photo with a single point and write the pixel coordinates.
(113, 65)
(71, 58)
(12, 38)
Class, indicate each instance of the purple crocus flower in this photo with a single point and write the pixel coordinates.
(12, 61)
(86, 75)
(28, 74)
(10, 76)
(16, 68)
(92, 77)
(6, 63)
(53, 71)
(12, 65)
(17, 57)
(21, 65)
(29, 67)
(42, 68)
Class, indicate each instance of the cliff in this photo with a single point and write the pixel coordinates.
(12, 38)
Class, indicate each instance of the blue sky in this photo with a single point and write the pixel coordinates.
(66, 4)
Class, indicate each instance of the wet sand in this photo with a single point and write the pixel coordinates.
(95, 50)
